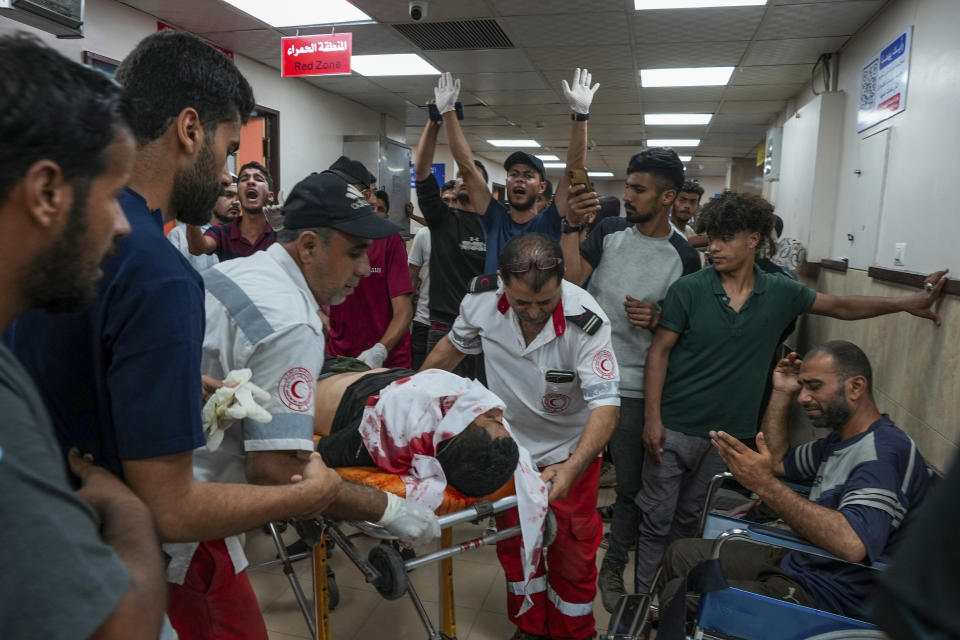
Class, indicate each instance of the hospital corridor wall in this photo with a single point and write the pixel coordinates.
(823, 198)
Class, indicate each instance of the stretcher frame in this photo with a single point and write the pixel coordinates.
(385, 568)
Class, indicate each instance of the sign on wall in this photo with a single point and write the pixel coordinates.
(883, 82)
(439, 171)
(322, 55)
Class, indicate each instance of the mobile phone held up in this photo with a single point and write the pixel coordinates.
(435, 113)
(579, 176)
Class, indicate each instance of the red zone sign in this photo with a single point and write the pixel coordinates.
(322, 55)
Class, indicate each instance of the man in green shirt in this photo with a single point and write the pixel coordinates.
(710, 355)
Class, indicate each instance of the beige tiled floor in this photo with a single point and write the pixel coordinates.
(479, 590)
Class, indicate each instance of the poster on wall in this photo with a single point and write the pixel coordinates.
(320, 55)
(883, 82)
(439, 171)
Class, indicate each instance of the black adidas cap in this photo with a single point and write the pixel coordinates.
(325, 200)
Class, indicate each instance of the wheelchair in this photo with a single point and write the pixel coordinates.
(728, 613)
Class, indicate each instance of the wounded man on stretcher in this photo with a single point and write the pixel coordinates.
(432, 428)
(423, 422)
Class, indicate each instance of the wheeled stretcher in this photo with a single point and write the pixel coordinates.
(384, 567)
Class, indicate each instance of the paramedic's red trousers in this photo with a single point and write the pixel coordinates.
(214, 602)
(563, 592)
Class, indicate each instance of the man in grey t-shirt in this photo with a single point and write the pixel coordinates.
(86, 563)
(630, 263)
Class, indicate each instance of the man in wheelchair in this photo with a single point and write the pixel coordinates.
(868, 479)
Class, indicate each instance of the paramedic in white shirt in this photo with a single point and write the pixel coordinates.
(263, 314)
(547, 350)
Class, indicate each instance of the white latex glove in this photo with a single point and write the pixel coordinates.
(580, 95)
(274, 213)
(235, 400)
(374, 356)
(446, 93)
(411, 522)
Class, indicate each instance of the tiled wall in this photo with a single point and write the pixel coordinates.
(915, 364)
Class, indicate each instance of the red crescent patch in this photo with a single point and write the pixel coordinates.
(288, 393)
(604, 365)
(554, 402)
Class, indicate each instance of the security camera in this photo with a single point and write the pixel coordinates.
(418, 10)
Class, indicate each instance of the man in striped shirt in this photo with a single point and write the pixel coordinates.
(868, 479)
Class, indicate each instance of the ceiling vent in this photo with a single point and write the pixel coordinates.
(456, 34)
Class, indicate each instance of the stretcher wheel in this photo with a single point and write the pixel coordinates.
(333, 591)
(393, 574)
(549, 529)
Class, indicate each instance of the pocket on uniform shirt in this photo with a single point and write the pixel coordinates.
(556, 396)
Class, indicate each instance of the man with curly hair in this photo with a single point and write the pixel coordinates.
(710, 355)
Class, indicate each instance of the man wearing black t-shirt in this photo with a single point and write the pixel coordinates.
(457, 243)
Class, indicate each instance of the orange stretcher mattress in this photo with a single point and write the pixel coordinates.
(453, 500)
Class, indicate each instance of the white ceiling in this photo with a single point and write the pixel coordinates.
(516, 93)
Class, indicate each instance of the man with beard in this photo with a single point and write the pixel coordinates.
(67, 154)
(686, 207)
(225, 211)
(525, 172)
(122, 380)
(707, 366)
(868, 480)
(244, 233)
(630, 262)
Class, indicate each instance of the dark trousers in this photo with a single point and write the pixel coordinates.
(626, 450)
(418, 344)
(470, 367)
(747, 566)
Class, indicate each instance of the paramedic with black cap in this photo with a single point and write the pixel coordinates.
(262, 315)
(548, 355)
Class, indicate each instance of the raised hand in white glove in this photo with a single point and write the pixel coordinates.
(274, 213)
(447, 92)
(374, 356)
(235, 400)
(580, 94)
(411, 522)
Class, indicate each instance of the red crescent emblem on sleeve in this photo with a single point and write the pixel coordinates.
(604, 365)
(295, 390)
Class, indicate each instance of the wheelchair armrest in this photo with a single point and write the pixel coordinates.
(720, 480)
(775, 537)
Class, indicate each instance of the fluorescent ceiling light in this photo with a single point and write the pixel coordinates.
(641, 5)
(554, 165)
(677, 118)
(296, 13)
(600, 174)
(673, 142)
(549, 157)
(686, 77)
(392, 64)
(514, 143)
(686, 158)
